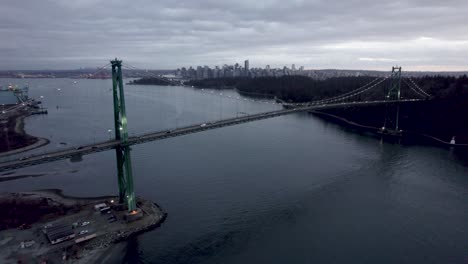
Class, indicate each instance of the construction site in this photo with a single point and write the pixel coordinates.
(48, 227)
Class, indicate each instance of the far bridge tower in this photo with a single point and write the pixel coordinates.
(392, 109)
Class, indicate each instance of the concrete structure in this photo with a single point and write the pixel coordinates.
(134, 215)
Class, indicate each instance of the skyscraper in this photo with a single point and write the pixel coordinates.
(246, 68)
(199, 72)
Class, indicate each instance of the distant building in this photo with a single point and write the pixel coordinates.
(206, 72)
(216, 72)
(246, 68)
(199, 72)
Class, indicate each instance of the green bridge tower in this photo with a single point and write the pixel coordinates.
(393, 94)
(124, 161)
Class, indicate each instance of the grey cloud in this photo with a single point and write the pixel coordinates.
(170, 34)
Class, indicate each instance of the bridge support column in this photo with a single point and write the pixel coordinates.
(124, 162)
(392, 111)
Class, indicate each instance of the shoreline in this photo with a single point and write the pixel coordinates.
(18, 128)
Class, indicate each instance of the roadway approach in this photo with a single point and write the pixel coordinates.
(159, 135)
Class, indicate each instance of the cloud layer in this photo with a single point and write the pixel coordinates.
(352, 34)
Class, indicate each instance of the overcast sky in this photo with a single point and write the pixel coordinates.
(166, 34)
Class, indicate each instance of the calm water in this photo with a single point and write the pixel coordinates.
(292, 189)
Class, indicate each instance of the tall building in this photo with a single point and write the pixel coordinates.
(206, 72)
(246, 67)
(199, 72)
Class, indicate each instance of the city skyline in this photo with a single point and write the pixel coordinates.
(237, 70)
(367, 35)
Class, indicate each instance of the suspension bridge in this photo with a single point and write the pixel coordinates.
(392, 99)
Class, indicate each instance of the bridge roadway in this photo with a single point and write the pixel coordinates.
(111, 144)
